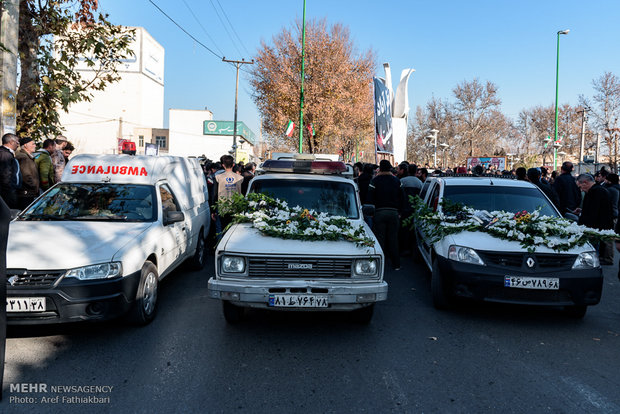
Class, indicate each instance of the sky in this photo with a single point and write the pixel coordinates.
(511, 43)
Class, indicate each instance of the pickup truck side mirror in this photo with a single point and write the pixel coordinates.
(173, 217)
(368, 210)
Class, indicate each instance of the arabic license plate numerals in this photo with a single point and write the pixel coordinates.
(25, 304)
(544, 283)
(298, 301)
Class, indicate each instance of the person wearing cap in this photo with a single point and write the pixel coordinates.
(58, 157)
(29, 173)
(9, 170)
(534, 175)
(386, 194)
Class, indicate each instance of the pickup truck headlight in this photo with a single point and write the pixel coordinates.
(365, 267)
(464, 255)
(586, 260)
(233, 264)
(98, 271)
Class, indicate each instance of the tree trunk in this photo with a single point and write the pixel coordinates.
(29, 77)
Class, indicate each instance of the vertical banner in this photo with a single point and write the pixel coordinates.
(383, 118)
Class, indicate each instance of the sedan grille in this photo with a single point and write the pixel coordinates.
(32, 278)
(546, 261)
(301, 268)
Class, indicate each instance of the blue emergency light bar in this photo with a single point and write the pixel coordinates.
(305, 166)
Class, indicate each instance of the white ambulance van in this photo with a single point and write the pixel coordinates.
(96, 245)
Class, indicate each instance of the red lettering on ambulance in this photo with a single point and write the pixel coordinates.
(90, 169)
(115, 169)
(82, 169)
(74, 169)
(133, 171)
(143, 171)
(99, 170)
(123, 170)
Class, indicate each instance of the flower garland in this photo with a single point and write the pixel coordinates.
(529, 229)
(274, 218)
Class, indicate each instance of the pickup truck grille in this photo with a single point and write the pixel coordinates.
(16, 278)
(547, 261)
(302, 268)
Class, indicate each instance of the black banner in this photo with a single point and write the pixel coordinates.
(383, 118)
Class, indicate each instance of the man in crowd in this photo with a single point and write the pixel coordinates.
(385, 192)
(227, 184)
(9, 170)
(568, 192)
(44, 163)
(248, 174)
(596, 211)
(533, 174)
(30, 173)
(422, 174)
(364, 180)
(58, 157)
(411, 187)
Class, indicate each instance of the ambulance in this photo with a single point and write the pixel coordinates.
(96, 245)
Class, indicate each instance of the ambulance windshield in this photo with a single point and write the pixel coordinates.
(96, 202)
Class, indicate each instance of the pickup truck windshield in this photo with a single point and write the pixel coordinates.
(96, 202)
(333, 198)
(510, 199)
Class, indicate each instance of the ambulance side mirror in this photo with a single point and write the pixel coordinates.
(173, 217)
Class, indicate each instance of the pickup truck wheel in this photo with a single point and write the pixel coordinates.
(232, 313)
(577, 311)
(199, 258)
(363, 315)
(442, 298)
(145, 306)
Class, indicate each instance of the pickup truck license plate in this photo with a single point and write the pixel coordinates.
(25, 304)
(544, 283)
(298, 301)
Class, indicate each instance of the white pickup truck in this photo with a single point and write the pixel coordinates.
(259, 271)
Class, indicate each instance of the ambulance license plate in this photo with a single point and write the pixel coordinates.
(298, 301)
(25, 305)
(543, 283)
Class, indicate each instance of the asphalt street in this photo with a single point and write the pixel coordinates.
(411, 358)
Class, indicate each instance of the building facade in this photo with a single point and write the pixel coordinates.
(134, 102)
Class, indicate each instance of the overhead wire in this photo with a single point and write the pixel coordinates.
(202, 27)
(225, 28)
(233, 28)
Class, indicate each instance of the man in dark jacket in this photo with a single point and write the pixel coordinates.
(534, 174)
(568, 192)
(385, 192)
(30, 173)
(596, 212)
(9, 170)
(363, 180)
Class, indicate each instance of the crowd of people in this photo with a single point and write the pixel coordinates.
(26, 172)
(591, 200)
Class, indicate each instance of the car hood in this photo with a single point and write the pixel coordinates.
(485, 241)
(41, 245)
(244, 238)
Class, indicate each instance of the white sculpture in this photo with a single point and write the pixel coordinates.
(400, 110)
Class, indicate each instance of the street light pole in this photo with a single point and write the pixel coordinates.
(433, 137)
(557, 71)
(237, 64)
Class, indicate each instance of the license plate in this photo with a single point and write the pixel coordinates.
(298, 301)
(544, 283)
(25, 304)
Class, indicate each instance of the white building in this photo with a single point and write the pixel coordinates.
(136, 101)
(195, 133)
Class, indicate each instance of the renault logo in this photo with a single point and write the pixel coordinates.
(530, 262)
(12, 280)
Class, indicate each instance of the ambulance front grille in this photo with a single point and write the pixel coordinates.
(16, 278)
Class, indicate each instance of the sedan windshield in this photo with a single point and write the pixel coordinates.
(333, 198)
(510, 199)
(98, 202)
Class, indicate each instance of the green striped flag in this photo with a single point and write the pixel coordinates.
(289, 128)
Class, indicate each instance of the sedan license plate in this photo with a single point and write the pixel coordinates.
(25, 304)
(544, 283)
(298, 301)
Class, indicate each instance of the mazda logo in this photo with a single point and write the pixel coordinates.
(530, 262)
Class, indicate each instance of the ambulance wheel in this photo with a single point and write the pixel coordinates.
(232, 313)
(145, 306)
(200, 255)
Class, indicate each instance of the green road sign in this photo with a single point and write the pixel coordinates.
(227, 128)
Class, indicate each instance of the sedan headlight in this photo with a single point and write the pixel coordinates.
(365, 267)
(98, 271)
(586, 260)
(464, 255)
(233, 264)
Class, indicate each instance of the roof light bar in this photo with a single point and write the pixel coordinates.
(305, 166)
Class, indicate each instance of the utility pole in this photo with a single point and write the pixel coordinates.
(237, 64)
(583, 136)
(301, 92)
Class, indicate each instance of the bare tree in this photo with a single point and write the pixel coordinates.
(338, 99)
(604, 111)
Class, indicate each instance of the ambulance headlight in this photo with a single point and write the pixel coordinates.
(98, 271)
